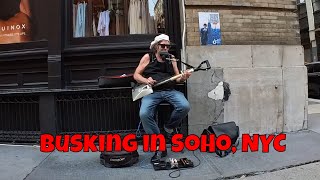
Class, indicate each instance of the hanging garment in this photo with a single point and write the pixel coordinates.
(79, 20)
(89, 14)
(107, 23)
(138, 17)
(145, 17)
(125, 18)
(118, 22)
(103, 25)
(122, 23)
(110, 5)
(94, 29)
(118, 14)
(100, 23)
(152, 25)
(84, 19)
(131, 14)
(134, 16)
(74, 18)
(80, 24)
(112, 23)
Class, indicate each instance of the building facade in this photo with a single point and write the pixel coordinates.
(50, 69)
(49, 82)
(262, 60)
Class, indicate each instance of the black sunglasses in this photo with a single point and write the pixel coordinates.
(165, 45)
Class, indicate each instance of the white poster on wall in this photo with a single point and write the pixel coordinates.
(209, 28)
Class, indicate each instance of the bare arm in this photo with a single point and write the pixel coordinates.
(139, 70)
(185, 75)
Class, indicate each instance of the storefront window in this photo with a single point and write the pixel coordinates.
(22, 21)
(96, 18)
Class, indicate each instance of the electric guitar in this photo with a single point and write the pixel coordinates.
(139, 91)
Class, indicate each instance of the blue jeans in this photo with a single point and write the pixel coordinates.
(150, 102)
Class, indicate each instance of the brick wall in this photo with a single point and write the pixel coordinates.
(247, 21)
(288, 4)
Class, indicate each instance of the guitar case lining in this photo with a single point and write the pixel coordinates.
(115, 81)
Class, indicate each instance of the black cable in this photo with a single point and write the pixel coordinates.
(180, 169)
(173, 172)
(198, 160)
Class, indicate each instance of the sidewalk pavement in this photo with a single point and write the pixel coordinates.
(27, 162)
(301, 160)
(305, 172)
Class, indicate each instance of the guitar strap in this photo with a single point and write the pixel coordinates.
(188, 65)
(152, 58)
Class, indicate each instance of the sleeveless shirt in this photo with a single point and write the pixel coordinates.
(159, 71)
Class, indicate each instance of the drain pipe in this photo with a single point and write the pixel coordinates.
(312, 32)
(183, 55)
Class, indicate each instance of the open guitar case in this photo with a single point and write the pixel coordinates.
(123, 80)
(117, 159)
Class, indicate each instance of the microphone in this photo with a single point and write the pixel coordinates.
(167, 56)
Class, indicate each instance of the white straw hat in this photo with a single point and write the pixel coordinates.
(159, 38)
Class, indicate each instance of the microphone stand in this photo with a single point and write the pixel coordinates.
(167, 56)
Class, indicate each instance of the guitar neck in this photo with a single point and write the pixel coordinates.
(172, 78)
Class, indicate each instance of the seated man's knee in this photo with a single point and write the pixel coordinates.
(185, 107)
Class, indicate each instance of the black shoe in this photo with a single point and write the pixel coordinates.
(158, 155)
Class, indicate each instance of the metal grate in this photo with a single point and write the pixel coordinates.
(94, 112)
(103, 112)
(107, 111)
(19, 118)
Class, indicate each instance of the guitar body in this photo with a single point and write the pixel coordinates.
(141, 91)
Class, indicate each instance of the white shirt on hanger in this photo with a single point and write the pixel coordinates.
(103, 24)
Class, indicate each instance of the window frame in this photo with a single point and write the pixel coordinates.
(31, 45)
(117, 41)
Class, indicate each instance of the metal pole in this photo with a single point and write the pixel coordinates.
(312, 34)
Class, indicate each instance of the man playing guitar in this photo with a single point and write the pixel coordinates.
(152, 69)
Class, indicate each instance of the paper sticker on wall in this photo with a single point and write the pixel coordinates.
(209, 28)
(217, 93)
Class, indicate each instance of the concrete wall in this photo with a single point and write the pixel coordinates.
(268, 87)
